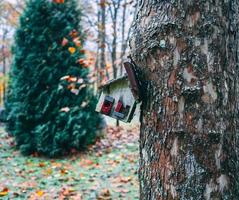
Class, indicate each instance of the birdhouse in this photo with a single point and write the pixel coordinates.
(119, 96)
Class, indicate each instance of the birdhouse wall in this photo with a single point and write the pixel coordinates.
(119, 90)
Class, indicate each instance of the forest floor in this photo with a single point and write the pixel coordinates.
(107, 171)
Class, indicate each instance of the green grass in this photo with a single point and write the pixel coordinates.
(106, 173)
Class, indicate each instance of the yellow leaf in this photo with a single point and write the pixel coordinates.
(2, 194)
(49, 171)
(72, 50)
(40, 193)
(71, 190)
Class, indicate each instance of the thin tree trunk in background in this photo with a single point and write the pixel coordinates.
(102, 39)
(4, 36)
(123, 44)
(114, 15)
(187, 52)
(97, 63)
(113, 54)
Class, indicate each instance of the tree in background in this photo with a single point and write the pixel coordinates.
(187, 52)
(50, 108)
(109, 22)
(9, 14)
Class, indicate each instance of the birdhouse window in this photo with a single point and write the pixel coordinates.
(121, 111)
(119, 106)
(107, 105)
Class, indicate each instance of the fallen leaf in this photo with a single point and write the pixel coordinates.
(48, 171)
(65, 192)
(63, 172)
(104, 195)
(40, 193)
(4, 192)
(42, 164)
(86, 162)
(125, 179)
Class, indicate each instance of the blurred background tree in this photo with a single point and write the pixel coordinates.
(50, 104)
(9, 14)
(108, 25)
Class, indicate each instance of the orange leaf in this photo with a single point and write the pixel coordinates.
(81, 61)
(77, 41)
(41, 164)
(49, 171)
(108, 67)
(72, 50)
(74, 33)
(125, 179)
(59, 1)
(82, 50)
(71, 86)
(63, 172)
(72, 79)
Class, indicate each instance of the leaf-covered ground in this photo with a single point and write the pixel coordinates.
(107, 171)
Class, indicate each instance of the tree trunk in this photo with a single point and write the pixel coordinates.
(123, 44)
(114, 16)
(4, 63)
(187, 52)
(102, 62)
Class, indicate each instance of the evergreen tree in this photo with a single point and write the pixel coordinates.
(50, 106)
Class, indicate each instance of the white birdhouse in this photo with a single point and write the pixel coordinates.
(119, 96)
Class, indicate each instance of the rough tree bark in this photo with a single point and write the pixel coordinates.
(187, 52)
